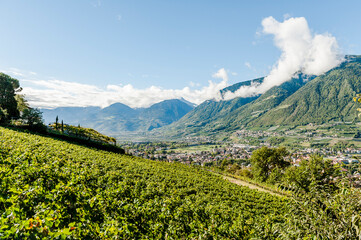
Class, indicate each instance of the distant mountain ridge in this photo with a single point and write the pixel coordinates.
(119, 118)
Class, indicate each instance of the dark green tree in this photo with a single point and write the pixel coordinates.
(32, 116)
(8, 88)
(3, 115)
(56, 122)
(266, 160)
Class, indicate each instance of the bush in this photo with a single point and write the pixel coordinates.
(313, 173)
(245, 172)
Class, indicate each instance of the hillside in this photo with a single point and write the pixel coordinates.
(212, 117)
(300, 101)
(328, 98)
(119, 119)
(54, 189)
(265, 102)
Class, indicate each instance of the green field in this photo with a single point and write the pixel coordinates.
(197, 148)
(53, 189)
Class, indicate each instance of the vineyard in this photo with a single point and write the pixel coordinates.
(81, 132)
(54, 189)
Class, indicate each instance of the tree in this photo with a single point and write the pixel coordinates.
(8, 87)
(56, 122)
(32, 116)
(266, 160)
(313, 173)
(21, 102)
(3, 115)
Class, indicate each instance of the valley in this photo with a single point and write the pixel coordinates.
(189, 120)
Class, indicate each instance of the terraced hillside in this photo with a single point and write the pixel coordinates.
(54, 189)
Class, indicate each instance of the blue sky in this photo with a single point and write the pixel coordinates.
(167, 44)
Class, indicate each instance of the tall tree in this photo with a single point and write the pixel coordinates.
(8, 87)
(266, 160)
(56, 122)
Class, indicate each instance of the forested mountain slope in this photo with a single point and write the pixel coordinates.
(212, 117)
(327, 98)
(302, 100)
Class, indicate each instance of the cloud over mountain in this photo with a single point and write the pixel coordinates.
(302, 51)
(57, 93)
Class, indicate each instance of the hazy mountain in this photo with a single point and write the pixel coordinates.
(70, 115)
(118, 118)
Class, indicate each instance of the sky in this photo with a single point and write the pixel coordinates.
(95, 53)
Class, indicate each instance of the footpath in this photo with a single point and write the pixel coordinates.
(250, 185)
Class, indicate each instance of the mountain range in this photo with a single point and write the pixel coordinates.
(299, 101)
(119, 119)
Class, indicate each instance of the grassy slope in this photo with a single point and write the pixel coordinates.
(50, 188)
(269, 100)
(205, 118)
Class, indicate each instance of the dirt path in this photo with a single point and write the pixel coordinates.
(250, 185)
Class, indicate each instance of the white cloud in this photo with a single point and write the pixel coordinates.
(286, 16)
(221, 73)
(302, 51)
(96, 4)
(57, 93)
(15, 72)
(247, 64)
(248, 91)
(193, 84)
